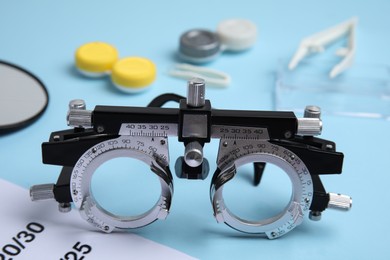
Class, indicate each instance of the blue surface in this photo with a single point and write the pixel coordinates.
(42, 36)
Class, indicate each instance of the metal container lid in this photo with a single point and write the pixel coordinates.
(199, 43)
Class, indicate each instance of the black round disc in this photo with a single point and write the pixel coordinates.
(23, 97)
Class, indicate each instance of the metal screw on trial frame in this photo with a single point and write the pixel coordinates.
(315, 215)
(196, 92)
(64, 207)
(312, 112)
(77, 104)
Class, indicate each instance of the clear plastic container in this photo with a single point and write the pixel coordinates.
(360, 91)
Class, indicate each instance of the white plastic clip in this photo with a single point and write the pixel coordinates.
(211, 77)
(317, 42)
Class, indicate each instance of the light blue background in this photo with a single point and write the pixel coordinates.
(42, 36)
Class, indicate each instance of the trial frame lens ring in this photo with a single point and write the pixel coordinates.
(92, 211)
(290, 217)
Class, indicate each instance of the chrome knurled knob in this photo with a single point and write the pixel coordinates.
(193, 155)
(77, 115)
(309, 126)
(339, 201)
(42, 192)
